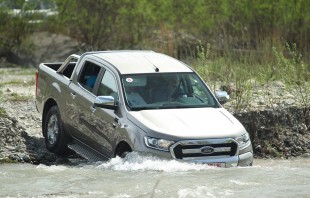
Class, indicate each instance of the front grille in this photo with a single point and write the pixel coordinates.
(204, 148)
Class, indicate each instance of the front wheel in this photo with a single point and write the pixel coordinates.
(122, 150)
(54, 134)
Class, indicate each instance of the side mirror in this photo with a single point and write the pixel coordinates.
(107, 102)
(222, 96)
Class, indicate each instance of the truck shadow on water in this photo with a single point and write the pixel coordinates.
(38, 154)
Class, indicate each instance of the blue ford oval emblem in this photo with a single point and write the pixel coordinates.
(207, 150)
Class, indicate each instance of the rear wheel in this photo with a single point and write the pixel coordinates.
(54, 134)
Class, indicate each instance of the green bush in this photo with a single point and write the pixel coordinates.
(295, 74)
(239, 32)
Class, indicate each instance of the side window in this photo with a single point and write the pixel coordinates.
(195, 86)
(108, 86)
(89, 75)
(200, 90)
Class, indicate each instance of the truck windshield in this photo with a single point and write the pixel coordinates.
(166, 91)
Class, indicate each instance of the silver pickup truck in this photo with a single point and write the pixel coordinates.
(107, 104)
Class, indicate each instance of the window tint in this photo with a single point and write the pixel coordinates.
(198, 88)
(69, 69)
(89, 75)
(166, 90)
(108, 86)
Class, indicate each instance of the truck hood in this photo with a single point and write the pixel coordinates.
(188, 123)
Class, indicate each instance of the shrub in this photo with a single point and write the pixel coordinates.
(296, 75)
(15, 45)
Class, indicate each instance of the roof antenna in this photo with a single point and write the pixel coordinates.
(156, 68)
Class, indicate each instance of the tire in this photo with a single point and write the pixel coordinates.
(124, 154)
(54, 135)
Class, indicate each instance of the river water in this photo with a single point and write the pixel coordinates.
(143, 176)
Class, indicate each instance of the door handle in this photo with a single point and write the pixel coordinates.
(73, 95)
(93, 109)
(115, 123)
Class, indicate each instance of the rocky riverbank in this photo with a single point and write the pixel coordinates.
(18, 146)
(277, 118)
(279, 129)
(21, 138)
(278, 132)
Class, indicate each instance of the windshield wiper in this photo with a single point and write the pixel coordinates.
(142, 108)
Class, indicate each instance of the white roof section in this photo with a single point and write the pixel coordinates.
(128, 62)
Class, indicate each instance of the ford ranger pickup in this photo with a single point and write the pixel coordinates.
(109, 103)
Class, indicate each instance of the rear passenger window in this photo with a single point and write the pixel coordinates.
(89, 75)
(69, 69)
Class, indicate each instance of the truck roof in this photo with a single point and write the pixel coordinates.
(135, 61)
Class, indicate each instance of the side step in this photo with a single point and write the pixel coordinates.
(86, 152)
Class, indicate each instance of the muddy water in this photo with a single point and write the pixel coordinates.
(141, 176)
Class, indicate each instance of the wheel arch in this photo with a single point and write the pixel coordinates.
(48, 104)
(121, 148)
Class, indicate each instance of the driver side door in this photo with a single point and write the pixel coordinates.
(105, 124)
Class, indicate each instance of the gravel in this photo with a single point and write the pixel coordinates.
(21, 137)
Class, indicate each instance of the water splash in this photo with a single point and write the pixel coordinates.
(134, 162)
(205, 191)
(52, 168)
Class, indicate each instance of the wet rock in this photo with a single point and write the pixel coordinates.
(289, 101)
(305, 155)
(302, 128)
(26, 158)
(14, 157)
(279, 84)
(8, 147)
(258, 148)
(8, 90)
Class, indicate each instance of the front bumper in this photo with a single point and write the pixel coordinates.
(245, 159)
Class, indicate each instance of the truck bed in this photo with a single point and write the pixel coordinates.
(68, 70)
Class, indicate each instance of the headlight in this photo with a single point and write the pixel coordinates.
(159, 144)
(243, 140)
